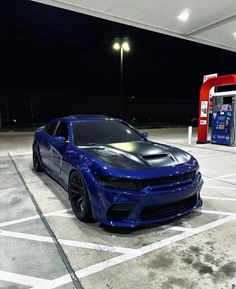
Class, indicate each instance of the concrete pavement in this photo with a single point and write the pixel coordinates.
(197, 251)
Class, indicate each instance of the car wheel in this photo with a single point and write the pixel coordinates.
(79, 197)
(36, 162)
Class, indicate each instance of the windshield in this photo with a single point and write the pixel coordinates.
(102, 132)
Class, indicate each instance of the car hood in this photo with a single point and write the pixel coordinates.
(137, 155)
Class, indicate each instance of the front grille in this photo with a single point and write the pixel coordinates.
(167, 180)
(156, 211)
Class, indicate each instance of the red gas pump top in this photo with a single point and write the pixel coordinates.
(203, 117)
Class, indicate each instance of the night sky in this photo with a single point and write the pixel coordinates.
(55, 62)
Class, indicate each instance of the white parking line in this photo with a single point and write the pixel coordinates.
(144, 250)
(213, 156)
(23, 279)
(15, 154)
(217, 187)
(71, 243)
(217, 212)
(184, 235)
(219, 198)
(176, 228)
(86, 245)
(220, 177)
(25, 236)
(8, 223)
(17, 221)
(230, 180)
(65, 216)
(88, 271)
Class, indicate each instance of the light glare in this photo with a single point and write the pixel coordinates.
(184, 16)
(234, 34)
(116, 46)
(125, 46)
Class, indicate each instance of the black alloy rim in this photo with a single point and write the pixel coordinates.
(77, 193)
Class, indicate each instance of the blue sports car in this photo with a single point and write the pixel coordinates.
(114, 174)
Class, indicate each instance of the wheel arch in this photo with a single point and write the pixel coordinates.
(35, 146)
(91, 186)
(83, 177)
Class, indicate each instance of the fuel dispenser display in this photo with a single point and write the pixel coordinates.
(223, 119)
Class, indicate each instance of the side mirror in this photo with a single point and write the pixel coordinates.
(59, 140)
(144, 134)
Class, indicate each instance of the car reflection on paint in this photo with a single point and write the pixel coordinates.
(114, 174)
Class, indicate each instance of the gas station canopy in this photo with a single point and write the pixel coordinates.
(211, 22)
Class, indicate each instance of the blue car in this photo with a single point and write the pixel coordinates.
(113, 174)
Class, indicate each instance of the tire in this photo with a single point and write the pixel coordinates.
(36, 162)
(79, 198)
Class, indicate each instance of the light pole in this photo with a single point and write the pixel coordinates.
(122, 46)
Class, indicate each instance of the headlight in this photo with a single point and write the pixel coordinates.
(118, 183)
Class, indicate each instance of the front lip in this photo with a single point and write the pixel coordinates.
(159, 220)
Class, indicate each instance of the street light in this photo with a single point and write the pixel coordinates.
(122, 46)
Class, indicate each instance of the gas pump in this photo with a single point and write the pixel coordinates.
(228, 121)
(224, 118)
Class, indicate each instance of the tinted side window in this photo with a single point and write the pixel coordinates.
(62, 130)
(50, 128)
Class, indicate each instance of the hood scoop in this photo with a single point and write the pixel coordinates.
(157, 160)
(155, 157)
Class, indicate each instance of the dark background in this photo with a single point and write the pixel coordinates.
(55, 62)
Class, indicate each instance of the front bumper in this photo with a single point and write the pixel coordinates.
(131, 209)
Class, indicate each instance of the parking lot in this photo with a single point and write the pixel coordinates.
(44, 246)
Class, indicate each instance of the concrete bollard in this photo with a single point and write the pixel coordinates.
(190, 133)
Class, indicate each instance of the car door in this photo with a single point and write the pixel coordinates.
(45, 141)
(58, 151)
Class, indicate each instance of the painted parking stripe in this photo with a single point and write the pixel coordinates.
(217, 187)
(23, 279)
(176, 228)
(217, 212)
(65, 215)
(8, 223)
(58, 246)
(144, 250)
(231, 181)
(214, 156)
(15, 154)
(86, 245)
(71, 243)
(219, 198)
(25, 236)
(88, 271)
(184, 235)
(184, 229)
(220, 177)
(17, 221)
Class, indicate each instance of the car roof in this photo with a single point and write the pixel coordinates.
(82, 117)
